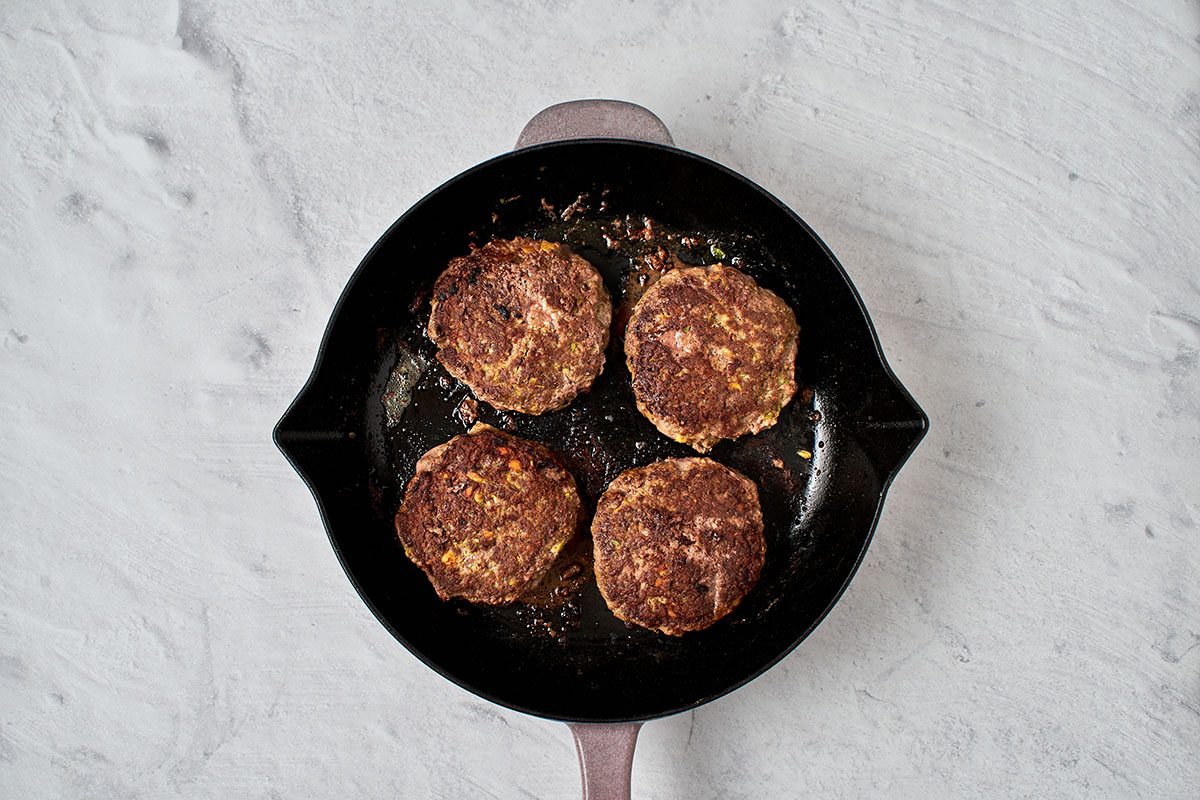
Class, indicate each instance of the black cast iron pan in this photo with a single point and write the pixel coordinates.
(822, 471)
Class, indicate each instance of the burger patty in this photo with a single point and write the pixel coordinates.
(678, 543)
(522, 322)
(485, 515)
(712, 355)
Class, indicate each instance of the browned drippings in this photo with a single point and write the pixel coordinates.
(467, 411)
(569, 572)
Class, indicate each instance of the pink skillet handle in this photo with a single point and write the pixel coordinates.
(584, 119)
(605, 757)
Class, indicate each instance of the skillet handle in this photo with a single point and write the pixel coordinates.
(585, 119)
(605, 757)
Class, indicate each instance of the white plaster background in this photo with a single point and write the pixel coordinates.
(185, 188)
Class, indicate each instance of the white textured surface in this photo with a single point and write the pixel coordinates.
(1014, 188)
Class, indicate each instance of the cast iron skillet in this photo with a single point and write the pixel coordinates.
(580, 664)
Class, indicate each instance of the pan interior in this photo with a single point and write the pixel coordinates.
(821, 471)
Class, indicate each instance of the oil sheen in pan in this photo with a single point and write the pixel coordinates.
(601, 433)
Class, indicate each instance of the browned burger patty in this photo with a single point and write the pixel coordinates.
(678, 543)
(524, 323)
(485, 515)
(712, 355)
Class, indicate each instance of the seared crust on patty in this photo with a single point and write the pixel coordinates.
(678, 543)
(522, 322)
(712, 355)
(485, 515)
